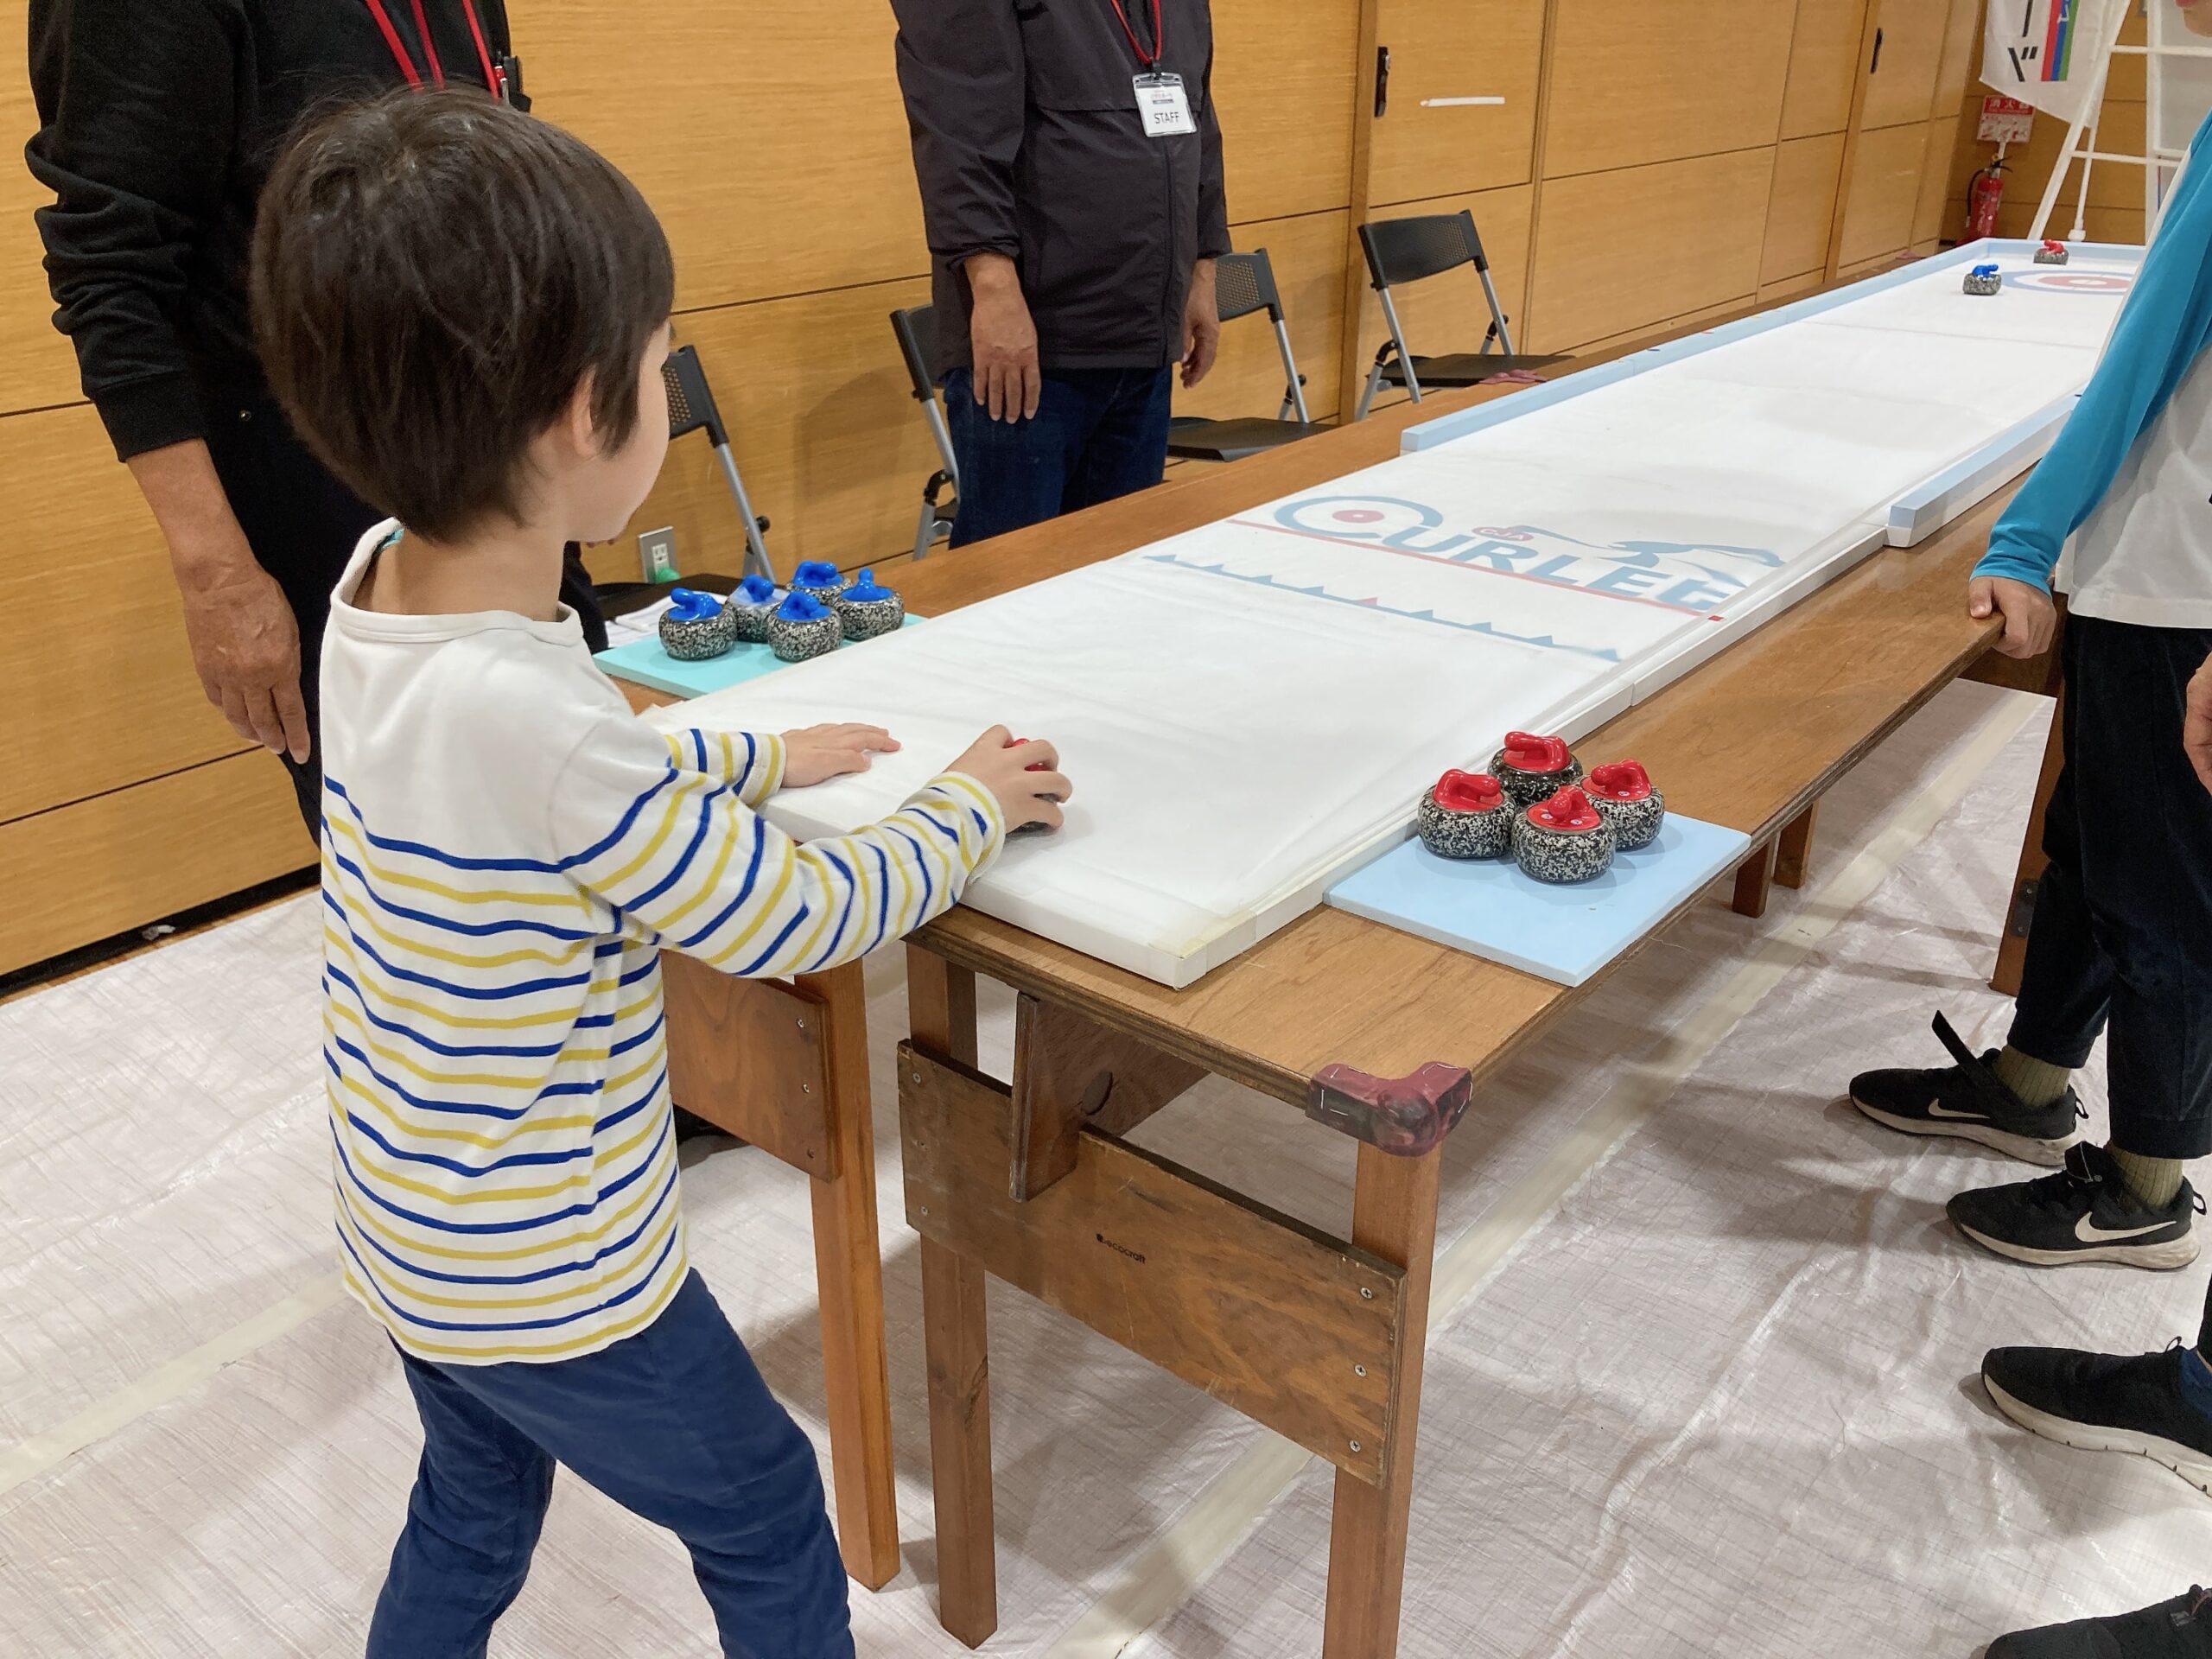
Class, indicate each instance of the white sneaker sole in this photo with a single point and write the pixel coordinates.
(2159, 1258)
(2048, 1154)
(2185, 1461)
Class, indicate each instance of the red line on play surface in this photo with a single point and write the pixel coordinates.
(1476, 569)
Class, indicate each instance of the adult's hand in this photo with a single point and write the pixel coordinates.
(244, 643)
(2030, 618)
(1003, 339)
(2197, 724)
(1201, 324)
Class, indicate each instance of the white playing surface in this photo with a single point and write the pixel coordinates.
(1250, 709)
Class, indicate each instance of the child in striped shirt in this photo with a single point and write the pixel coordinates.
(464, 312)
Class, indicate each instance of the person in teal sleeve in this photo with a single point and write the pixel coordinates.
(2118, 517)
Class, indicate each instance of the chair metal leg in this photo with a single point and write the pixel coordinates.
(1398, 339)
(757, 562)
(1496, 313)
(925, 530)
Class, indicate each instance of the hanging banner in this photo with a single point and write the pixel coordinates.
(2048, 53)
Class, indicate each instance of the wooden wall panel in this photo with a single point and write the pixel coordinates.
(1284, 83)
(84, 871)
(1802, 206)
(1456, 49)
(97, 688)
(1903, 86)
(1628, 250)
(1883, 194)
(1633, 84)
(1929, 221)
(1447, 313)
(1308, 256)
(1960, 61)
(37, 368)
(770, 137)
(1824, 67)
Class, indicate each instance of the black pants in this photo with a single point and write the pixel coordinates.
(302, 525)
(1097, 435)
(2123, 921)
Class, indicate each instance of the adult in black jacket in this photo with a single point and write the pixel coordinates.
(159, 120)
(1070, 165)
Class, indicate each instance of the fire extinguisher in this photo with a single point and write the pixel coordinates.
(1984, 195)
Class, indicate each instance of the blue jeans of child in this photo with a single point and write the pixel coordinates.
(673, 1424)
(1096, 434)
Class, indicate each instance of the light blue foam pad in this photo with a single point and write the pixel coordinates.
(646, 663)
(1563, 933)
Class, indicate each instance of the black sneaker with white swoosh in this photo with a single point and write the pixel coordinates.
(1966, 1101)
(2133, 1403)
(2086, 1213)
(2180, 1628)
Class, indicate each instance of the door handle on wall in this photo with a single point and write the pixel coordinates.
(1381, 81)
(1875, 67)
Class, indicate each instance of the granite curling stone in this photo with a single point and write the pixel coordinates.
(803, 627)
(824, 580)
(750, 607)
(1563, 839)
(1466, 815)
(696, 627)
(1532, 769)
(2053, 252)
(1622, 794)
(1983, 280)
(867, 608)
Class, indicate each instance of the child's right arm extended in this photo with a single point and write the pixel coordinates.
(674, 847)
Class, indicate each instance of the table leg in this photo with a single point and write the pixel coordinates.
(1753, 879)
(848, 1272)
(1393, 1215)
(956, 1335)
(1793, 851)
(2012, 943)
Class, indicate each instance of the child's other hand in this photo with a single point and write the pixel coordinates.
(2197, 724)
(1025, 777)
(817, 754)
(2030, 618)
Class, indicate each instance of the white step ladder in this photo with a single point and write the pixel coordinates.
(2172, 114)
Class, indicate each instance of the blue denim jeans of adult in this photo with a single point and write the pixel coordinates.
(1097, 434)
(673, 1424)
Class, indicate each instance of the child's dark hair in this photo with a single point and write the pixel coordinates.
(435, 276)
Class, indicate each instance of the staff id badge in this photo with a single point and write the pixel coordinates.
(1162, 106)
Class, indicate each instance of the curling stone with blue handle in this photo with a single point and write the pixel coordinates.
(824, 580)
(1624, 796)
(1467, 814)
(1983, 280)
(804, 626)
(750, 607)
(867, 608)
(696, 627)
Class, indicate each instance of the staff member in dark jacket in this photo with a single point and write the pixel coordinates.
(1070, 165)
(159, 122)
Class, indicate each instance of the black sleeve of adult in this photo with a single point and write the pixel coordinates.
(1213, 196)
(965, 82)
(135, 122)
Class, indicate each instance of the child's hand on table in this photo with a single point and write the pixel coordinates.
(2030, 618)
(1022, 775)
(817, 754)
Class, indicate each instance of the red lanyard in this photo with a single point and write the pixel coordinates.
(494, 78)
(1159, 35)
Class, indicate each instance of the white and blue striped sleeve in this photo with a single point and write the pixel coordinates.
(678, 849)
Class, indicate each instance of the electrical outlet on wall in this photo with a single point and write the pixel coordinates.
(657, 554)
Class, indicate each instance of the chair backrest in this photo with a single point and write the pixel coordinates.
(916, 327)
(1408, 250)
(1245, 282)
(690, 404)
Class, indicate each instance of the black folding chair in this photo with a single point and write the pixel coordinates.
(1243, 283)
(1401, 251)
(917, 330)
(691, 409)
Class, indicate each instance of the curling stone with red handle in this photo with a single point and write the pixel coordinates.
(1564, 839)
(1532, 768)
(1624, 796)
(1467, 814)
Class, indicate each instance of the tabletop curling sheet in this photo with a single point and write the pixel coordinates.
(1250, 709)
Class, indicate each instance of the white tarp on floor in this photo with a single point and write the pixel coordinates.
(1705, 1395)
(1251, 708)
